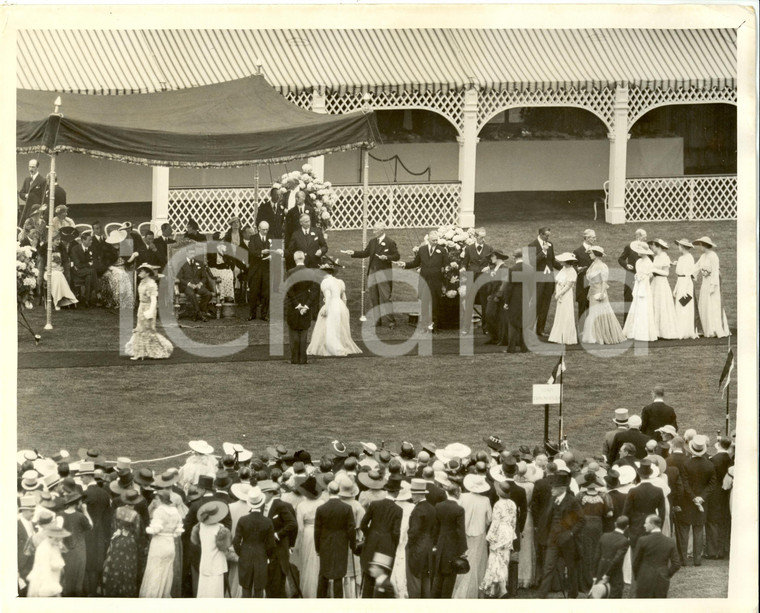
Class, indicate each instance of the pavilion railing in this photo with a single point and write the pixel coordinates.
(400, 205)
(692, 198)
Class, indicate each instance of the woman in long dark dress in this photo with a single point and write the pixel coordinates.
(120, 572)
(595, 507)
(77, 524)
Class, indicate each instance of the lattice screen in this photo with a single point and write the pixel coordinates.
(702, 198)
(411, 205)
(641, 101)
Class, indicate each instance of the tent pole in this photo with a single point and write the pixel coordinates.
(365, 200)
(49, 264)
(255, 193)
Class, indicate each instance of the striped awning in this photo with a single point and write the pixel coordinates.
(350, 61)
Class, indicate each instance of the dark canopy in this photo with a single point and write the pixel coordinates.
(236, 123)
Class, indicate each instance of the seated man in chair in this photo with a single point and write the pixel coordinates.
(195, 282)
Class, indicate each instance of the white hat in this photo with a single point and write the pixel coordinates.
(231, 448)
(566, 257)
(201, 447)
(476, 484)
(256, 498)
(641, 248)
(244, 455)
(698, 445)
(405, 493)
(26, 455)
(705, 241)
(634, 421)
(442, 478)
(369, 448)
(116, 236)
(667, 429)
(627, 474)
(240, 490)
(497, 474)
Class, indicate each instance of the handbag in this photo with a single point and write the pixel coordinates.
(684, 300)
(460, 566)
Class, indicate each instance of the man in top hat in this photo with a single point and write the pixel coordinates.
(541, 257)
(654, 562)
(477, 260)
(627, 261)
(643, 500)
(334, 537)
(582, 264)
(283, 518)
(513, 305)
(621, 421)
(420, 541)
(718, 526)
(381, 526)
(495, 314)
(97, 540)
(657, 414)
(24, 531)
(255, 545)
(82, 268)
(609, 557)
(632, 435)
(563, 526)
(699, 484)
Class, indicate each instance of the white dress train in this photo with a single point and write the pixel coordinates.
(640, 323)
(332, 332)
(662, 298)
(711, 313)
(563, 328)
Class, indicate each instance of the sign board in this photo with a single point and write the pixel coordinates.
(546, 393)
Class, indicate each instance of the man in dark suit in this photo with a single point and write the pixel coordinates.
(699, 484)
(162, 243)
(98, 503)
(97, 247)
(151, 255)
(643, 500)
(283, 518)
(32, 190)
(541, 257)
(584, 261)
(381, 251)
(621, 421)
(334, 537)
(450, 538)
(655, 560)
(632, 435)
(540, 508)
(610, 555)
(381, 526)
(82, 269)
(657, 414)
(675, 463)
(254, 543)
(627, 261)
(435, 493)
(496, 325)
(431, 259)
(195, 280)
(308, 239)
(513, 304)
(293, 216)
(419, 545)
(273, 213)
(718, 527)
(24, 533)
(60, 194)
(259, 257)
(299, 300)
(477, 259)
(564, 524)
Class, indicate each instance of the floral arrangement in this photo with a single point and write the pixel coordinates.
(454, 239)
(26, 274)
(319, 194)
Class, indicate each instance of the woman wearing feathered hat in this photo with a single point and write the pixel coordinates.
(563, 328)
(165, 528)
(640, 323)
(711, 313)
(116, 283)
(121, 569)
(601, 325)
(145, 341)
(332, 332)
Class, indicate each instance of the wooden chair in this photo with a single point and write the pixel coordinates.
(115, 225)
(83, 226)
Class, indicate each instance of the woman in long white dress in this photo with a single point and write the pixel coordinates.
(60, 291)
(398, 575)
(304, 551)
(214, 540)
(662, 296)
(501, 536)
(45, 576)
(639, 324)
(683, 292)
(563, 328)
(526, 569)
(166, 527)
(477, 518)
(601, 325)
(332, 332)
(711, 313)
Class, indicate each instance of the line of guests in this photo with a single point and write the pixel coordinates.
(367, 522)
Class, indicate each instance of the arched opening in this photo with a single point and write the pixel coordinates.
(541, 158)
(708, 132)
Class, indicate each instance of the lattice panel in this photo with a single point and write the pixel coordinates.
(302, 99)
(703, 198)
(598, 101)
(412, 205)
(641, 101)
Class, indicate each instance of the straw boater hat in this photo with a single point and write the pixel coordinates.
(166, 479)
(381, 559)
(86, 468)
(27, 502)
(256, 498)
(660, 243)
(566, 258)
(418, 486)
(684, 242)
(698, 445)
(641, 248)
(116, 236)
(621, 417)
(26, 455)
(476, 484)
(372, 480)
(144, 477)
(201, 447)
(212, 512)
(453, 451)
(705, 241)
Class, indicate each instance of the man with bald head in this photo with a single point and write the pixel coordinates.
(293, 216)
(308, 239)
(584, 261)
(259, 258)
(627, 261)
(33, 189)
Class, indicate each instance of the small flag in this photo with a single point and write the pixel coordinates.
(559, 368)
(725, 376)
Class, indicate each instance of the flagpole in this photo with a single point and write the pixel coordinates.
(728, 392)
(561, 394)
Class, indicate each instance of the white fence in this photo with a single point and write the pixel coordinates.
(694, 198)
(401, 205)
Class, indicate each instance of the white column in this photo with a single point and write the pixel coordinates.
(467, 158)
(160, 196)
(460, 140)
(318, 105)
(615, 212)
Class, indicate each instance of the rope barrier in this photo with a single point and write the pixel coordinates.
(169, 457)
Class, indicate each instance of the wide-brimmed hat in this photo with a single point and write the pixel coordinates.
(372, 480)
(566, 257)
(476, 484)
(383, 456)
(277, 452)
(26, 455)
(166, 478)
(429, 448)
(131, 497)
(442, 478)
(309, 488)
(369, 448)
(232, 448)
(329, 263)
(69, 232)
(597, 250)
(339, 449)
(641, 248)
(115, 237)
(72, 498)
(621, 417)
(240, 491)
(201, 447)
(627, 474)
(348, 488)
(498, 253)
(705, 241)
(45, 466)
(144, 477)
(127, 226)
(255, 498)
(494, 442)
(267, 485)
(589, 482)
(244, 456)
(30, 480)
(54, 531)
(453, 451)
(698, 445)
(148, 267)
(497, 474)
(381, 559)
(668, 429)
(502, 487)
(323, 479)
(684, 242)
(370, 463)
(660, 243)
(212, 512)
